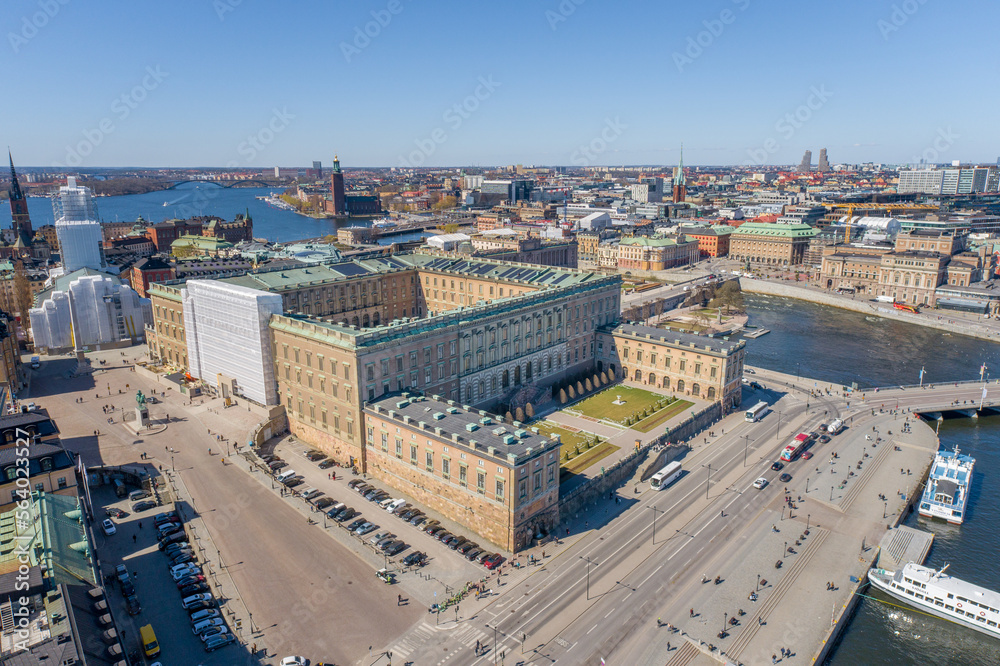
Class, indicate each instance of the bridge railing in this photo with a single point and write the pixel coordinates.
(970, 382)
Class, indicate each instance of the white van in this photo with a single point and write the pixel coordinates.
(285, 476)
(386, 502)
(395, 504)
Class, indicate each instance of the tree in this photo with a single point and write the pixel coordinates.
(562, 396)
(529, 410)
(519, 414)
(730, 296)
(445, 203)
(588, 385)
(23, 297)
(450, 228)
(510, 417)
(579, 387)
(572, 393)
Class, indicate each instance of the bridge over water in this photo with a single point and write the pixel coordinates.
(934, 400)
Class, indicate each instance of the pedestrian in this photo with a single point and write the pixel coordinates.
(692, 612)
(253, 649)
(668, 646)
(774, 659)
(140, 524)
(133, 538)
(399, 599)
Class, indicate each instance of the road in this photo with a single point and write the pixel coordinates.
(585, 603)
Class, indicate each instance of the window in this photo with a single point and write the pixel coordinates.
(522, 489)
(499, 491)
(463, 474)
(62, 481)
(399, 448)
(481, 482)
(429, 463)
(537, 479)
(413, 454)
(385, 441)
(445, 468)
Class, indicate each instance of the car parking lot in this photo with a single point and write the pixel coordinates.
(142, 590)
(341, 504)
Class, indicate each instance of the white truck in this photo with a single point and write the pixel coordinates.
(885, 299)
(835, 426)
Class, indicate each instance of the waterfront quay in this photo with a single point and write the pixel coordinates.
(642, 564)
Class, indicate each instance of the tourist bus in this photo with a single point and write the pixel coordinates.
(798, 444)
(666, 476)
(757, 412)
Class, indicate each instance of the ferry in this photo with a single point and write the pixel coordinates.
(947, 490)
(942, 595)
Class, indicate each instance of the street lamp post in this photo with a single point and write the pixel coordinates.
(708, 480)
(885, 508)
(777, 433)
(757, 589)
(589, 562)
(746, 445)
(172, 464)
(654, 522)
(808, 516)
(494, 627)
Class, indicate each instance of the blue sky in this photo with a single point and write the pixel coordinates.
(575, 82)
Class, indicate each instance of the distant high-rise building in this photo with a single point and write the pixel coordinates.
(78, 229)
(824, 165)
(805, 166)
(337, 188)
(21, 221)
(649, 190)
(318, 168)
(680, 184)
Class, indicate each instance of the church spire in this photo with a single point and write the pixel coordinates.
(19, 206)
(680, 188)
(15, 187)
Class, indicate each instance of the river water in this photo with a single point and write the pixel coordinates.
(193, 199)
(840, 346)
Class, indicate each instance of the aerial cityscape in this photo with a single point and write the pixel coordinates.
(595, 374)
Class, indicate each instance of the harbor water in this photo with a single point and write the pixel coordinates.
(193, 199)
(841, 347)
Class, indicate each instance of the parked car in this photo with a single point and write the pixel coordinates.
(473, 554)
(137, 495)
(760, 483)
(199, 627)
(386, 545)
(400, 509)
(409, 513)
(182, 557)
(201, 596)
(214, 631)
(384, 534)
(380, 496)
(309, 493)
(824, 438)
(173, 538)
(114, 512)
(294, 661)
(382, 543)
(190, 580)
(372, 492)
(493, 561)
(806, 455)
(327, 464)
(277, 464)
(335, 509)
(213, 643)
(434, 530)
(785, 478)
(193, 588)
(355, 483)
(443, 534)
(132, 605)
(167, 529)
(418, 520)
(776, 465)
(166, 515)
(315, 455)
(414, 559)
(198, 616)
(324, 502)
(267, 457)
(362, 488)
(128, 589)
(184, 570)
(356, 524)
(396, 548)
(367, 528)
(346, 514)
(294, 481)
(108, 526)
(174, 548)
(467, 546)
(144, 505)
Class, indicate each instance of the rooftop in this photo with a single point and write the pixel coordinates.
(768, 230)
(462, 426)
(685, 340)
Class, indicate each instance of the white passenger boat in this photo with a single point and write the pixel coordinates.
(947, 490)
(942, 595)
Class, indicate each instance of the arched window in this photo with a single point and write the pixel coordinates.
(711, 393)
(505, 382)
(638, 375)
(680, 385)
(695, 389)
(652, 379)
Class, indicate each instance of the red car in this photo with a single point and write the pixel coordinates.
(493, 561)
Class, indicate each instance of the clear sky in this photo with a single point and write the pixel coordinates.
(573, 82)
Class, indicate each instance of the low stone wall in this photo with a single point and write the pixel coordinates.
(663, 457)
(688, 428)
(862, 305)
(613, 477)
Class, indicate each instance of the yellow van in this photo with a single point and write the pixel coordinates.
(149, 644)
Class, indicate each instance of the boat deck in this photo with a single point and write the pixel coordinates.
(904, 544)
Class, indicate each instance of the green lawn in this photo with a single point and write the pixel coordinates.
(566, 437)
(662, 416)
(588, 457)
(683, 327)
(600, 406)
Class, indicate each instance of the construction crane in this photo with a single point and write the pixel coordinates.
(890, 207)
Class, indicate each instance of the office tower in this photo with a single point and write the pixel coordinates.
(824, 165)
(805, 166)
(318, 168)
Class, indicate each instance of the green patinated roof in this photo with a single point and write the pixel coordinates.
(644, 241)
(201, 242)
(722, 229)
(768, 230)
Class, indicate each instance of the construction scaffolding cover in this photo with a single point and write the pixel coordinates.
(227, 334)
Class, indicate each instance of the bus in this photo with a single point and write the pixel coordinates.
(149, 644)
(666, 476)
(757, 412)
(795, 448)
